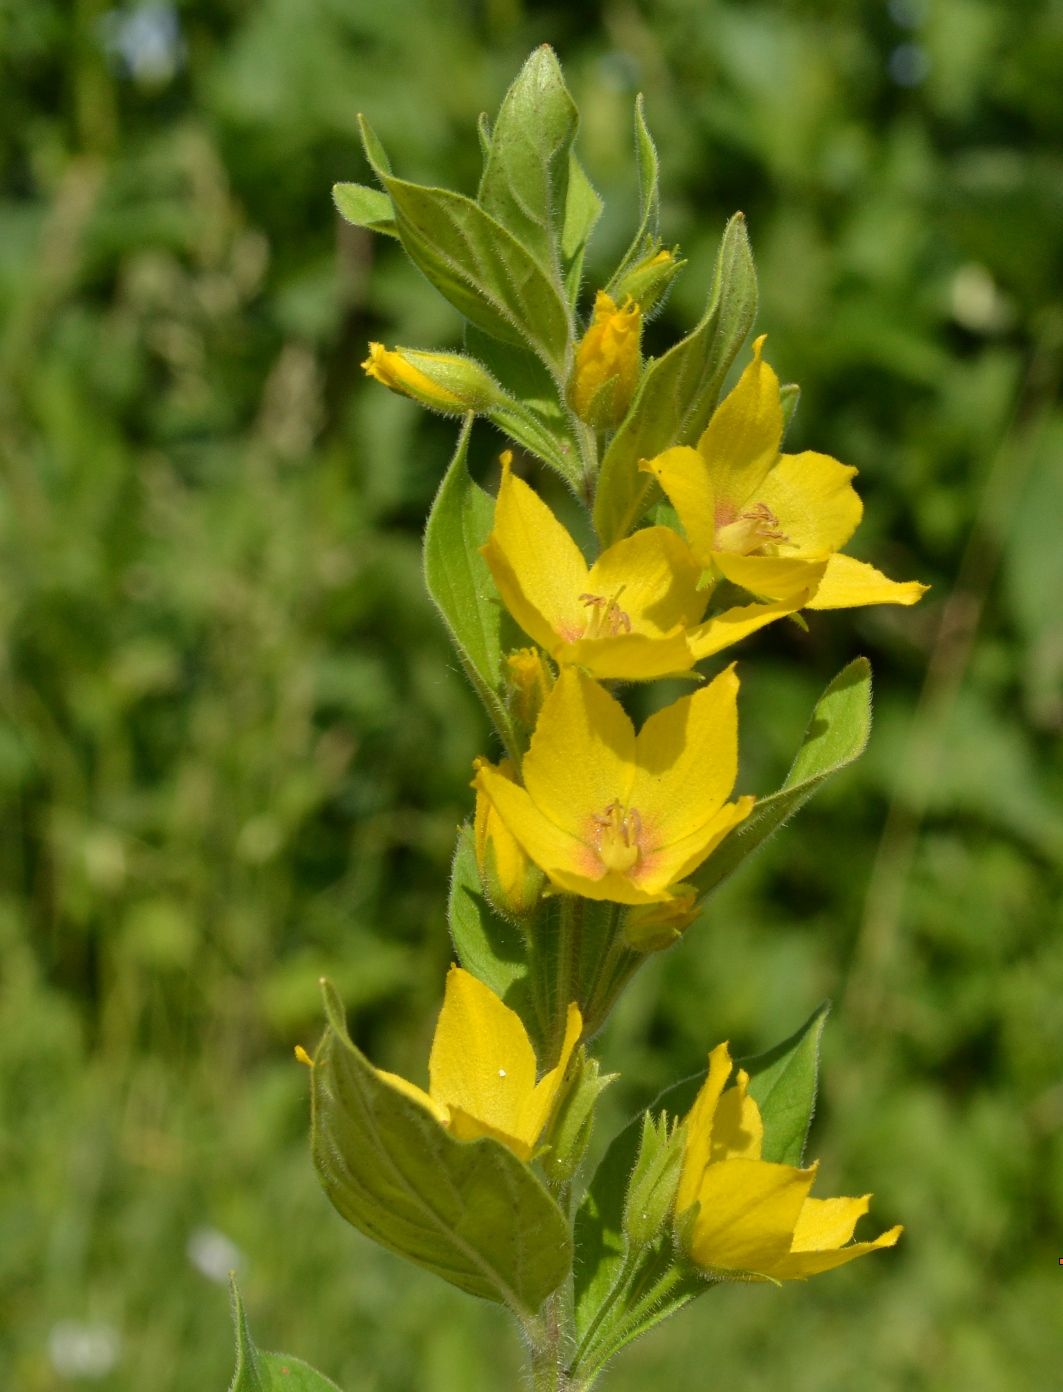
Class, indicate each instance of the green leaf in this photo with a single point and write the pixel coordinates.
(783, 1083)
(482, 269)
(679, 390)
(487, 945)
(648, 233)
(268, 1372)
(526, 170)
(836, 735)
(469, 1211)
(374, 151)
(365, 207)
(460, 583)
(583, 208)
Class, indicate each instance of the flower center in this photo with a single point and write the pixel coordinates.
(750, 531)
(606, 618)
(616, 838)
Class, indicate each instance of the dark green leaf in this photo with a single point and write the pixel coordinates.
(487, 945)
(583, 208)
(269, 1372)
(782, 1082)
(526, 170)
(679, 390)
(461, 586)
(365, 207)
(469, 1211)
(836, 735)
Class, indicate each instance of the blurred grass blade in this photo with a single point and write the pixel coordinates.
(268, 1372)
(469, 1211)
(679, 390)
(836, 735)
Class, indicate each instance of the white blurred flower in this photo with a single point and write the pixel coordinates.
(213, 1254)
(83, 1350)
(144, 43)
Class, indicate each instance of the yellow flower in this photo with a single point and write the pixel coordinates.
(481, 1071)
(609, 814)
(441, 381)
(771, 523)
(512, 882)
(606, 369)
(738, 1213)
(631, 616)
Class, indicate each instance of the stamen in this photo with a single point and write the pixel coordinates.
(751, 530)
(619, 836)
(608, 618)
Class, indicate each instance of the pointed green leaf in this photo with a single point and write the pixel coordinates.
(783, 1084)
(526, 170)
(647, 234)
(460, 583)
(481, 268)
(679, 390)
(469, 1211)
(583, 208)
(486, 944)
(374, 151)
(483, 130)
(837, 734)
(365, 207)
(268, 1372)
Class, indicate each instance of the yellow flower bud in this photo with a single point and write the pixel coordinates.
(648, 281)
(530, 680)
(511, 881)
(441, 381)
(607, 366)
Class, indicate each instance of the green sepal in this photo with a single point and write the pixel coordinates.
(654, 1179)
(365, 207)
(488, 945)
(569, 1133)
(481, 268)
(679, 390)
(460, 583)
(268, 1372)
(648, 233)
(836, 735)
(527, 165)
(469, 1211)
(789, 398)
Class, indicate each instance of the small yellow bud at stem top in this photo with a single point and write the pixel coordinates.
(607, 366)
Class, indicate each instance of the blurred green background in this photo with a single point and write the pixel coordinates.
(234, 748)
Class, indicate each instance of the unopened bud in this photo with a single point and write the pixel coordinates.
(529, 679)
(607, 366)
(510, 880)
(649, 280)
(569, 1132)
(653, 927)
(652, 1188)
(441, 381)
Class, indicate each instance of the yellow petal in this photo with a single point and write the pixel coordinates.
(798, 1265)
(654, 575)
(812, 497)
(772, 577)
(719, 632)
(540, 1105)
(737, 1130)
(849, 583)
(538, 568)
(685, 477)
(561, 854)
(687, 756)
(697, 1141)
(464, 1127)
(631, 656)
(582, 754)
(673, 863)
(417, 1094)
(827, 1223)
(482, 1060)
(747, 1213)
(742, 439)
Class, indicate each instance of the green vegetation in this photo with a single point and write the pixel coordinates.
(229, 763)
